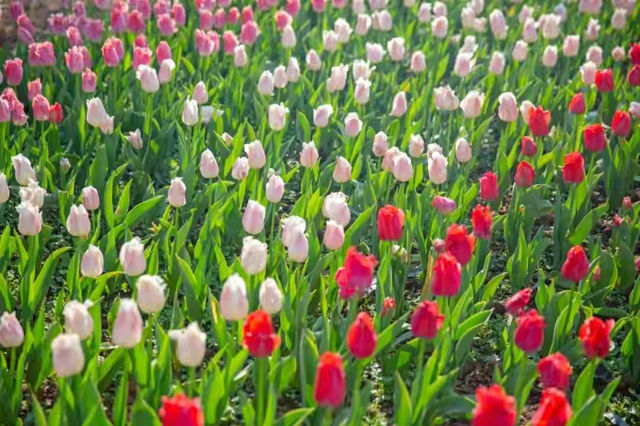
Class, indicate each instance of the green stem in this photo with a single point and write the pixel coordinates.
(261, 392)
(355, 406)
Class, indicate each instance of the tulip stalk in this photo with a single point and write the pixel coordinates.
(261, 373)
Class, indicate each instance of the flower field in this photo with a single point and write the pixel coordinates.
(382, 212)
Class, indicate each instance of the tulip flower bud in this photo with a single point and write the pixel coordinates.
(127, 328)
(177, 195)
(92, 263)
(11, 333)
(68, 358)
(4, 189)
(78, 222)
(150, 295)
(299, 249)
(520, 51)
(270, 297)
(314, 63)
(333, 235)
(375, 52)
(240, 168)
(240, 56)
(275, 189)
(416, 146)
(508, 108)
(288, 37)
(190, 112)
(418, 62)
(200, 94)
(277, 115)
(362, 91)
(253, 217)
(132, 257)
(322, 114)
(497, 63)
(338, 78)
(33, 193)
(352, 125)
(395, 46)
(255, 154)
(380, 145)
(402, 168)
(190, 345)
(471, 105)
(135, 139)
(399, 105)
(148, 78)
(437, 165)
(23, 170)
(293, 70)
(77, 319)
(463, 151)
(29, 219)
(166, 71)
(90, 198)
(309, 155)
(342, 170)
(439, 27)
(234, 305)
(335, 207)
(208, 165)
(254, 255)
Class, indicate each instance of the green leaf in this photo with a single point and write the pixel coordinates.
(583, 389)
(402, 402)
(295, 417)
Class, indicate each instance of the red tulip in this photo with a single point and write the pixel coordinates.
(13, 71)
(390, 222)
(361, 337)
(525, 175)
(494, 407)
(539, 120)
(388, 305)
(576, 266)
(516, 303)
(56, 114)
(329, 389)
(181, 411)
(555, 371)
(426, 320)
(554, 409)
(621, 124)
(577, 105)
(634, 53)
(460, 244)
(594, 335)
(258, 335)
(634, 76)
(446, 276)
(594, 138)
(528, 146)
(489, 186)
(529, 331)
(356, 275)
(573, 169)
(604, 80)
(481, 221)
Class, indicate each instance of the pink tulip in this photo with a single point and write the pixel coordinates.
(437, 165)
(253, 217)
(274, 189)
(89, 81)
(34, 88)
(13, 71)
(179, 14)
(571, 45)
(352, 125)
(309, 155)
(444, 205)
(208, 165)
(29, 219)
(78, 222)
(333, 235)
(40, 106)
(416, 146)
(342, 170)
(230, 42)
(177, 194)
(255, 154)
(380, 145)
(402, 168)
(399, 106)
(314, 63)
(249, 32)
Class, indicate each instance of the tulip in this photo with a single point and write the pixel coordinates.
(577, 104)
(399, 105)
(520, 51)
(335, 207)
(330, 41)
(555, 371)
(253, 217)
(277, 115)
(314, 63)
(595, 337)
(11, 333)
(426, 320)
(255, 154)
(270, 297)
(68, 358)
(395, 47)
(190, 345)
(361, 337)
(362, 91)
(32, 193)
(553, 409)
(291, 227)
(418, 62)
(497, 63)
(254, 256)
(132, 257)
(338, 78)
(380, 145)
(330, 382)
(77, 319)
(361, 69)
(23, 170)
(88, 81)
(498, 24)
(621, 124)
(363, 24)
(571, 45)
(92, 263)
(515, 304)
(459, 244)
(382, 20)
(127, 328)
(240, 169)
(440, 27)
(274, 189)
(298, 249)
(342, 170)
(529, 331)
(177, 194)
(573, 169)
(390, 222)
(481, 221)
(163, 52)
(375, 52)
(416, 145)
(444, 205)
(402, 168)
(4, 189)
(446, 275)
(463, 151)
(604, 80)
(34, 88)
(97, 116)
(259, 337)
(13, 71)
(280, 79)
(355, 277)
(309, 155)
(322, 114)
(150, 294)
(494, 407)
(634, 109)
(190, 112)
(29, 219)
(288, 37)
(148, 79)
(550, 56)
(352, 125)
(525, 175)
(437, 166)
(588, 73)
(234, 305)
(40, 106)
(293, 70)
(634, 77)
(576, 265)
(78, 222)
(508, 107)
(594, 137)
(200, 94)
(445, 99)
(333, 235)
(594, 55)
